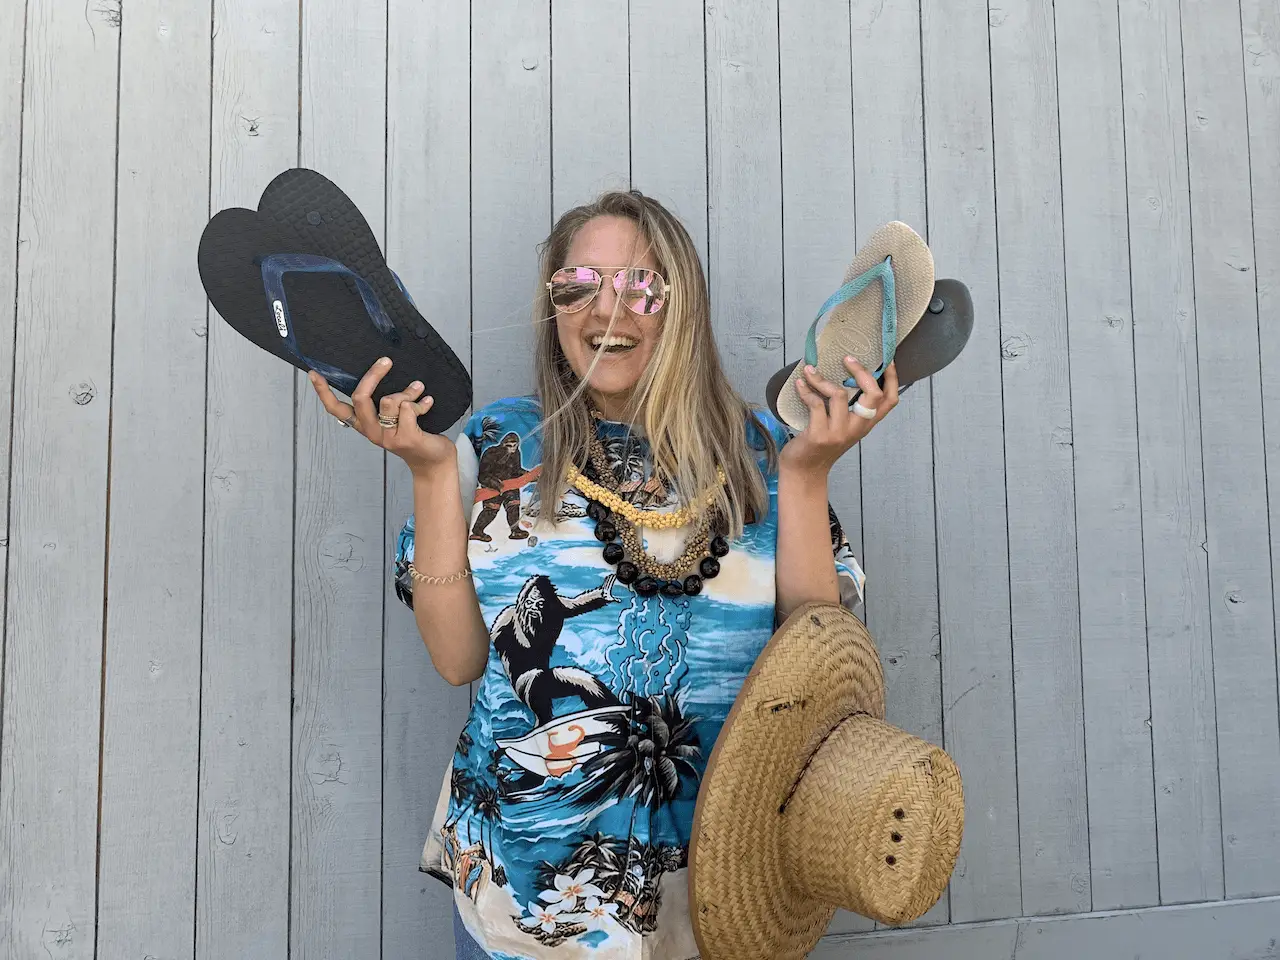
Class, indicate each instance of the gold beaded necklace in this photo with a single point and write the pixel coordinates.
(649, 575)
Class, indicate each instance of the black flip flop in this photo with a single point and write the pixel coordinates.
(932, 344)
(331, 225)
(318, 314)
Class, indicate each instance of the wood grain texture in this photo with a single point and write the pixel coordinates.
(590, 106)
(899, 530)
(669, 109)
(242, 884)
(510, 188)
(1260, 22)
(151, 731)
(339, 538)
(1240, 587)
(1037, 407)
(58, 495)
(818, 238)
(818, 194)
(969, 465)
(745, 191)
(1113, 636)
(1184, 736)
(428, 244)
(1242, 929)
(13, 30)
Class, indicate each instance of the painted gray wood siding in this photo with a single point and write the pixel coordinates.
(220, 735)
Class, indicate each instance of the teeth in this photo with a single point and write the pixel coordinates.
(599, 342)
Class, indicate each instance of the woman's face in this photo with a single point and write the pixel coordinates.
(609, 244)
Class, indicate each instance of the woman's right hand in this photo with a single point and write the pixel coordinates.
(423, 452)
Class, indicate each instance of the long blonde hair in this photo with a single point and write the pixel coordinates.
(693, 418)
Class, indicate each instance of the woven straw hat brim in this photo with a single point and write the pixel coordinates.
(741, 894)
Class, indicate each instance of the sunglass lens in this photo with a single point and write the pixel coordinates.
(573, 287)
(642, 291)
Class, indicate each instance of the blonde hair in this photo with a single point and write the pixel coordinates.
(693, 418)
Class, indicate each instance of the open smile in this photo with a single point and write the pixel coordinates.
(613, 344)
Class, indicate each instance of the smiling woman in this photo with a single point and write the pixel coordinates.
(610, 555)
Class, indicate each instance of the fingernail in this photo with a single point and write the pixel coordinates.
(810, 368)
(850, 360)
(415, 385)
(385, 361)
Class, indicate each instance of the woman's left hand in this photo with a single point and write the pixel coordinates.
(833, 427)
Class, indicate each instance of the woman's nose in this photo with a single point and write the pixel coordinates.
(604, 302)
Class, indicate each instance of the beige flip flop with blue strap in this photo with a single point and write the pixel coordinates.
(886, 291)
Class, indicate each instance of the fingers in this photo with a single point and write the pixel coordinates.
(332, 404)
(389, 406)
(362, 397)
(406, 431)
(890, 391)
(813, 398)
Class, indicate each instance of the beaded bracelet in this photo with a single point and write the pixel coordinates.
(452, 578)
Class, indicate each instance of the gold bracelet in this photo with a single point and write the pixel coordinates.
(452, 578)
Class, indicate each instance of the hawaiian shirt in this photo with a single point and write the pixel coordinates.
(564, 819)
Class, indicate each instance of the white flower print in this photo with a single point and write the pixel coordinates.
(598, 914)
(544, 917)
(569, 890)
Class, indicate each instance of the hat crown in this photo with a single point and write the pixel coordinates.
(874, 823)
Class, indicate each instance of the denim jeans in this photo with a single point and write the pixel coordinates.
(467, 948)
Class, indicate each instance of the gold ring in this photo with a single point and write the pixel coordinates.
(389, 422)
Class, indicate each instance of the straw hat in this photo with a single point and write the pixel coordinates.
(812, 802)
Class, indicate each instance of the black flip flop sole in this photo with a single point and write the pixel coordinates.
(326, 315)
(331, 225)
(931, 345)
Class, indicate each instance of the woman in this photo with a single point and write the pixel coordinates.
(609, 557)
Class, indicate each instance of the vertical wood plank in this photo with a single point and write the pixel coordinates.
(818, 209)
(151, 714)
(1184, 735)
(1240, 587)
(669, 109)
(969, 464)
(1113, 636)
(1037, 405)
(12, 62)
(242, 895)
(1261, 34)
(510, 187)
(818, 196)
(899, 530)
(340, 543)
(590, 106)
(428, 245)
(53, 663)
(745, 190)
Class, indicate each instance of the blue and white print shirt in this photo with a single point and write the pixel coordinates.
(564, 819)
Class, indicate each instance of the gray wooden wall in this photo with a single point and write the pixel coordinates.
(221, 735)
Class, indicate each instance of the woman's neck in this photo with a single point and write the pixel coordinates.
(615, 408)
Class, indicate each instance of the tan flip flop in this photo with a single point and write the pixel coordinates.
(886, 291)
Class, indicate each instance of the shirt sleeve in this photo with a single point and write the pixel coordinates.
(849, 575)
(468, 467)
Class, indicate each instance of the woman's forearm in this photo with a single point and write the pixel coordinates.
(806, 570)
(448, 614)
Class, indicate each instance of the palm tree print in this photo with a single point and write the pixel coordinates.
(488, 435)
(649, 763)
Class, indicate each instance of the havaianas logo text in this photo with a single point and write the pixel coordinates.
(283, 327)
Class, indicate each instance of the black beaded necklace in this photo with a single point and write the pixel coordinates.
(624, 546)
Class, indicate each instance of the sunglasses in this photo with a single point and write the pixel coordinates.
(642, 290)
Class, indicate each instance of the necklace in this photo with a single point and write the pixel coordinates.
(635, 567)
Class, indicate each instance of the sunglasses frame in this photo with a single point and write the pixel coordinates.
(666, 289)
